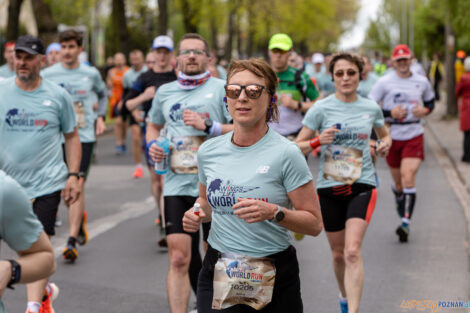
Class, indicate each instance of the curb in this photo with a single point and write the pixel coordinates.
(454, 176)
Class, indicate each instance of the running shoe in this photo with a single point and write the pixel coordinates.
(118, 150)
(123, 149)
(403, 232)
(50, 295)
(82, 237)
(70, 253)
(162, 241)
(138, 173)
(58, 222)
(343, 306)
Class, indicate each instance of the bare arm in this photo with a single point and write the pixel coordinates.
(36, 263)
(194, 120)
(148, 94)
(73, 152)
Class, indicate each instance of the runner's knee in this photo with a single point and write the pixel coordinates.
(338, 256)
(179, 260)
(352, 253)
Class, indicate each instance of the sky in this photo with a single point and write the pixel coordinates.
(355, 37)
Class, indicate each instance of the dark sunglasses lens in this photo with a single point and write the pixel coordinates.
(351, 72)
(253, 91)
(233, 91)
(339, 74)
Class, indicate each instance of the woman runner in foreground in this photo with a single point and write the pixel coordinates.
(247, 180)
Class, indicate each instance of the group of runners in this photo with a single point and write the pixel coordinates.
(237, 164)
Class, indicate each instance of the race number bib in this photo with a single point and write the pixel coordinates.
(342, 164)
(240, 279)
(183, 157)
(79, 113)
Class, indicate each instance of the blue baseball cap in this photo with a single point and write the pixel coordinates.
(55, 46)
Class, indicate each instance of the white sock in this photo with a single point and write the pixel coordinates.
(341, 299)
(33, 307)
(139, 165)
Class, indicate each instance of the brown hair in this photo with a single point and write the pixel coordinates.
(350, 57)
(262, 69)
(71, 34)
(198, 37)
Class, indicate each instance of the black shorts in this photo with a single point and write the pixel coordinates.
(45, 207)
(286, 292)
(340, 203)
(125, 113)
(175, 207)
(87, 157)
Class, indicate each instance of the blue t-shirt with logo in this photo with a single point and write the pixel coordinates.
(167, 109)
(357, 120)
(31, 128)
(19, 227)
(265, 171)
(82, 83)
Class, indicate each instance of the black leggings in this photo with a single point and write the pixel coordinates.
(286, 293)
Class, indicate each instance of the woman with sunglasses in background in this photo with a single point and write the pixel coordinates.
(346, 181)
(247, 180)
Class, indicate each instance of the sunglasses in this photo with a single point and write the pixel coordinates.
(187, 52)
(252, 91)
(349, 73)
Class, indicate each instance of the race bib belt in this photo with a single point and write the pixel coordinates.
(240, 279)
(79, 113)
(342, 164)
(183, 156)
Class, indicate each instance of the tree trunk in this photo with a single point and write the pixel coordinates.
(450, 70)
(251, 33)
(47, 27)
(189, 17)
(120, 26)
(162, 17)
(213, 30)
(13, 24)
(230, 31)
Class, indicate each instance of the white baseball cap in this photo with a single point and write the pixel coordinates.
(163, 42)
(318, 58)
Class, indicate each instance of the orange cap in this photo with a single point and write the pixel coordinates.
(461, 54)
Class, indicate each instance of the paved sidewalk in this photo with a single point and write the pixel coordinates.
(449, 150)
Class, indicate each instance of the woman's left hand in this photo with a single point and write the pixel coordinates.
(382, 149)
(253, 211)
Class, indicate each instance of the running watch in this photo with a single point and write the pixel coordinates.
(208, 122)
(279, 215)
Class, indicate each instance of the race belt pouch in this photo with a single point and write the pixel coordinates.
(79, 109)
(183, 156)
(240, 279)
(342, 164)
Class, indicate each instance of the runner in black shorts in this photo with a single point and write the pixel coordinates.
(346, 182)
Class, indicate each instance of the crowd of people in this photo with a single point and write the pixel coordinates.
(236, 172)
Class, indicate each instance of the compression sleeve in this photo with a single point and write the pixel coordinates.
(387, 113)
(102, 103)
(429, 104)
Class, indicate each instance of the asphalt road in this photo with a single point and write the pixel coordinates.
(122, 269)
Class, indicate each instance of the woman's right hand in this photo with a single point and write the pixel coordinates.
(328, 135)
(191, 221)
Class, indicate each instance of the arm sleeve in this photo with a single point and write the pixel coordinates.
(20, 226)
(429, 104)
(295, 171)
(313, 118)
(67, 115)
(387, 113)
(156, 112)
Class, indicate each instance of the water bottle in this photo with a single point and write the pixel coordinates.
(164, 143)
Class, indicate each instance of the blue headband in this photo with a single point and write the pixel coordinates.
(55, 46)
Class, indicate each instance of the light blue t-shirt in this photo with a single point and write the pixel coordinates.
(222, 72)
(82, 83)
(265, 171)
(31, 128)
(167, 109)
(365, 86)
(324, 83)
(5, 71)
(131, 75)
(19, 227)
(357, 120)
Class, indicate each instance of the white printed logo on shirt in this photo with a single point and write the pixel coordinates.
(47, 103)
(209, 95)
(262, 169)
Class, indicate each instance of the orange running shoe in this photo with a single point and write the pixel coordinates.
(51, 294)
(138, 173)
(70, 253)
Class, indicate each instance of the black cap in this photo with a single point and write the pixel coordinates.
(30, 44)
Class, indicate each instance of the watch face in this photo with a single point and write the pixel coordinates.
(279, 216)
(208, 122)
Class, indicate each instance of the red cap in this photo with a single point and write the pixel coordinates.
(401, 52)
(10, 44)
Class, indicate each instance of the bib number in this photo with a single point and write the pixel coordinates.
(79, 113)
(183, 157)
(240, 279)
(342, 164)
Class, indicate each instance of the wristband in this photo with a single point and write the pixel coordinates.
(299, 106)
(74, 174)
(315, 142)
(15, 273)
(216, 129)
(151, 143)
